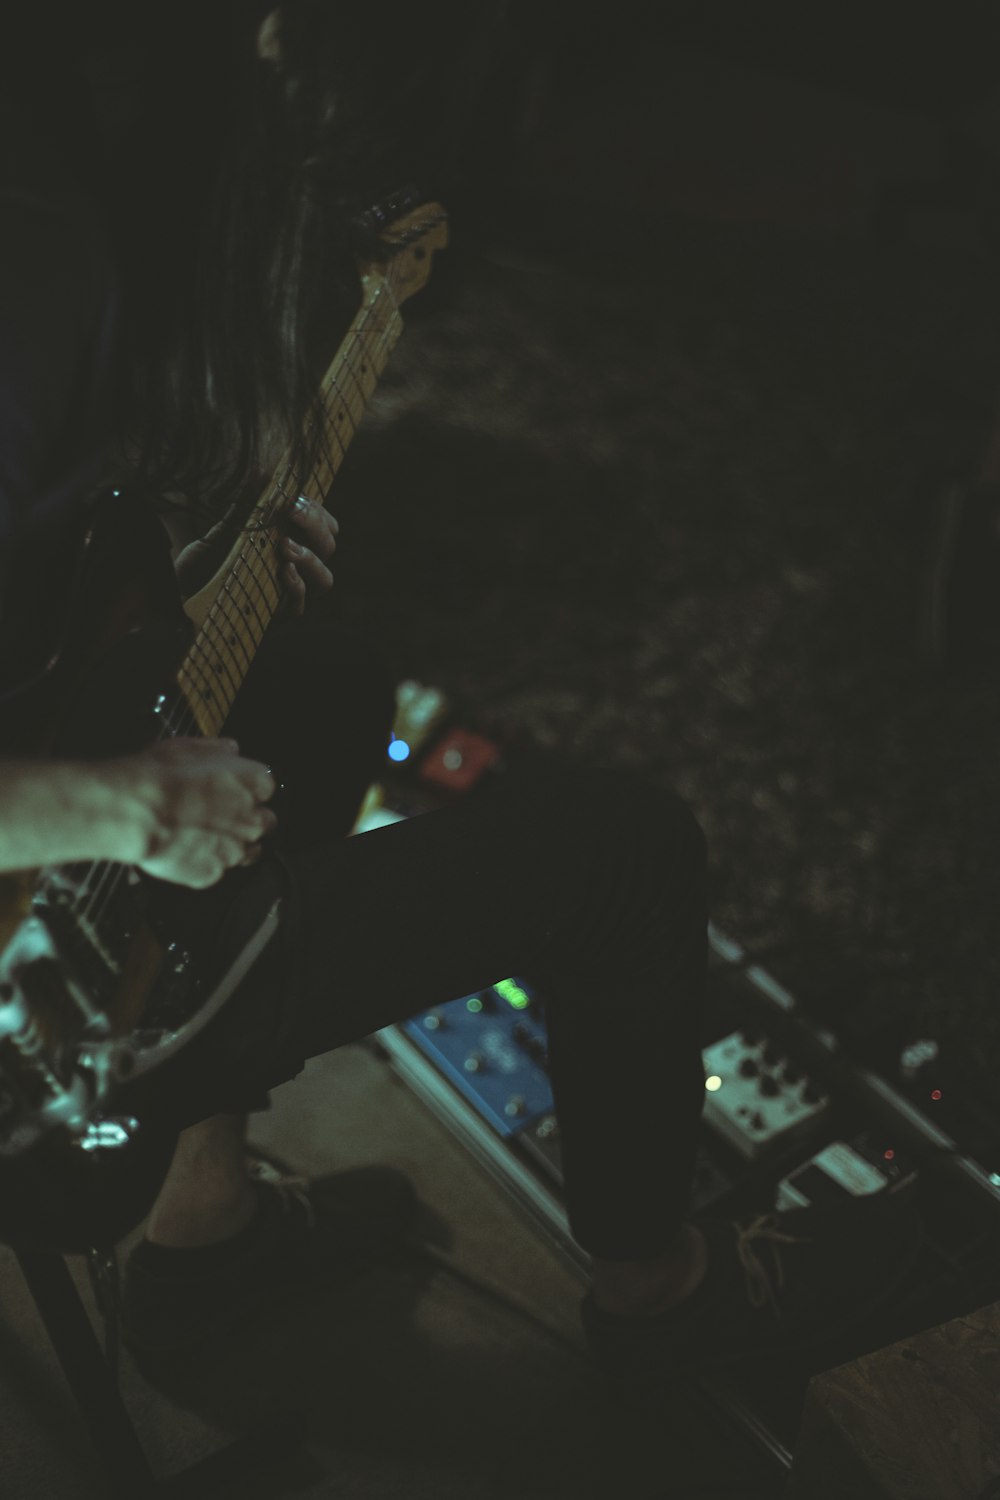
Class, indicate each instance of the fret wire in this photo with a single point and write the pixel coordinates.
(263, 557)
(271, 604)
(231, 625)
(253, 615)
(331, 436)
(279, 501)
(346, 402)
(330, 381)
(286, 477)
(190, 667)
(197, 671)
(232, 620)
(330, 384)
(211, 626)
(358, 388)
(212, 623)
(358, 382)
(209, 693)
(260, 619)
(249, 572)
(321, 479)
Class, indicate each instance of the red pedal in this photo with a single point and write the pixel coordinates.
(459, 760)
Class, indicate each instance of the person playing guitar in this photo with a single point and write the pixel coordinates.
(180, 260)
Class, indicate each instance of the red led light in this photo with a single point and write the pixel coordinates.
(889, 1155)
(935, 1093)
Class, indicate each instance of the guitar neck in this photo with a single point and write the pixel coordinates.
(233, 611)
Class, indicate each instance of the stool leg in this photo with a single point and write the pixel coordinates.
(87, 1372)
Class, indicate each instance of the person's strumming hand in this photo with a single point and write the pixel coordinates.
(198, 808)
(185, 810)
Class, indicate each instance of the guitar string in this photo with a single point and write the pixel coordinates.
(111, 874)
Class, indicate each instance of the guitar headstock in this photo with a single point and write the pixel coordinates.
(409, 244)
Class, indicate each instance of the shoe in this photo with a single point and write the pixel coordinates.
(775, 1283)
(175, 1301)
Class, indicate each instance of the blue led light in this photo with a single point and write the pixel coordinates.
(399, 750)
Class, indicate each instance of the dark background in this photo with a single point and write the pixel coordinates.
(654, 474)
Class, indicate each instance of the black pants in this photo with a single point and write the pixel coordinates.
(589, 884)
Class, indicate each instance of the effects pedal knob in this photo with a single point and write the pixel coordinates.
(474, 1063)
(516, 1105)
(434, 1020)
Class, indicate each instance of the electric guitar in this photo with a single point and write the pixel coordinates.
(91, 997)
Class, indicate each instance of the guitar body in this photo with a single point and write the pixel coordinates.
(121, 631)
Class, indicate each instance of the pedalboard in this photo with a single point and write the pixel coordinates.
(790, 1119)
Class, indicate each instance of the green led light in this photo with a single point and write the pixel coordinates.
(474, 1004)
(513, 994)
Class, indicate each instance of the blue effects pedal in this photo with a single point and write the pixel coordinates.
(493, 1047)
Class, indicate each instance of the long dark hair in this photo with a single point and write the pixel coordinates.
(234, 189)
